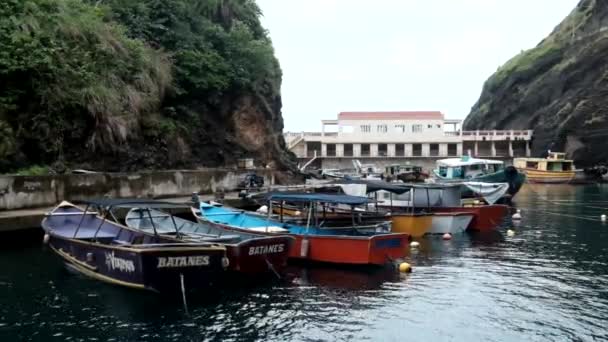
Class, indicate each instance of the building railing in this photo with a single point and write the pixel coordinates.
(466, 135)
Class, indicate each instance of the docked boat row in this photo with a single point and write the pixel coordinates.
(144, 244)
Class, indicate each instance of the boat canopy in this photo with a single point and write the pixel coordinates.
(314, 197)
(133, 203)
(396, 188)
(466, 161)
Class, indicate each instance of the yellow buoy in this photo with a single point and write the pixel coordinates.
(510, 232)
(404, 267)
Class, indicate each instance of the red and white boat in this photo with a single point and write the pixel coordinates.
(485, 217)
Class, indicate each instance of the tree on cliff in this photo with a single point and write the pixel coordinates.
(120, 84)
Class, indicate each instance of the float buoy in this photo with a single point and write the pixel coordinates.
(90, 257)
(510, 232)
(603, 217)
(298, 213)
(404, 267)
(447, 236)
(414, 244)
(517, 215)
(225, 262)
(46, 239)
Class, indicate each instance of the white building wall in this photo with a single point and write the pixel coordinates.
(426, 150)
(373, 150)
(390, 150)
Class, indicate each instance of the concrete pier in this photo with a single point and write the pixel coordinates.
(25, 199)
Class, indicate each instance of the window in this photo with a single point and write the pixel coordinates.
(434, 150)
(438, 126)
(417, 150)
(416, 128)
(348, 150)
(331, 150)
(382, 128)
(430, 126)
(346, 129)
(365, 150)
(400, 150)
(366, 128)
(382, 150)
(400, 128)
(452, 149)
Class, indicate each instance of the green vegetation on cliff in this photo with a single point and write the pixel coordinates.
(119, 84)
(558, 88)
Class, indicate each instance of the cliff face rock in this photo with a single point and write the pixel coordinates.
(119, 85)
(559, 89)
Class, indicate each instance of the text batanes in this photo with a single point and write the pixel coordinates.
(196, 260)
(266, 249)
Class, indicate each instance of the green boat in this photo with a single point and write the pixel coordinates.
(478, 170)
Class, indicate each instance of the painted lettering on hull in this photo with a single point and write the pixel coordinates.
(269, 249)
(116, 263)
(189, 261)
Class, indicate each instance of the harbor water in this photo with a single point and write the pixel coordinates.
(547, 282)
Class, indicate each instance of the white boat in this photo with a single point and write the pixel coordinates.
(453, 223)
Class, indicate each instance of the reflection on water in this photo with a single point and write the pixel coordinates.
(546, 283)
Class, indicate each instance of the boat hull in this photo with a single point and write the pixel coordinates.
(339, 249)
(415, 225)
(452, 223)
(248, 254)
(156, 269)
(264, 255)
(485, 218)
(548, 177)
(509, 175)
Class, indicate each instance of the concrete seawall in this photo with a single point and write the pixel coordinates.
(20, 192)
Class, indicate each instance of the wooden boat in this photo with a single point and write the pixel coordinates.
(317, 239)
(110, 252)
(478, 170)
(248, 253)
(453, 223)
(554, 169)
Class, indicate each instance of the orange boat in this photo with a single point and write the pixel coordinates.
(367, 244)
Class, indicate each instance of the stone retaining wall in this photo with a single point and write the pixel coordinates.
(18, 192)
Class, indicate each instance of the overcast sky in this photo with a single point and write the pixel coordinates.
(357, 55)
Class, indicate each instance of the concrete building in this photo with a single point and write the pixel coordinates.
(384, 138)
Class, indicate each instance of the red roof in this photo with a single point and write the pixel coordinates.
(420, 115)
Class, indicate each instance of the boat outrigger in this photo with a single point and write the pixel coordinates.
(317, 238)
(95, 246)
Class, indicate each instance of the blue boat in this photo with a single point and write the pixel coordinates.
(317, 238)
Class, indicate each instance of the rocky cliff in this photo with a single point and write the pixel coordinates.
(559, 89)
(127, 85)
